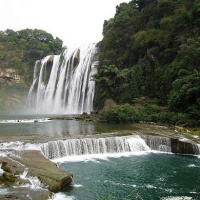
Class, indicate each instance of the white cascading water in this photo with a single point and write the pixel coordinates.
(65, 86)
(109, 145)
(158, 143)
(88, 146)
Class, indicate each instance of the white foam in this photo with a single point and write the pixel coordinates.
(34, 182)
(150, 186)
(177, 198)
(16, 121)
(96, 157)
(168, 190)
(3, 153)
(77, 185)
(1, 170)
(18, 145)
(61, 196)
(192, 165)
(120, 184)
(184, 139)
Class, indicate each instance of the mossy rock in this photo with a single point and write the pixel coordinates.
(7, 178)
(61, 185)
(5, 166)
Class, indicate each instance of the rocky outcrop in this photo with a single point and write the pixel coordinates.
(52, 177)
(93, 116)
(9, 74)
(181, 147)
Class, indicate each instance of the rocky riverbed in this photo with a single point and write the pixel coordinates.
(27, 174)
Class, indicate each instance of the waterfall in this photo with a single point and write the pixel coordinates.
(62, 83)
(122, 144)
(71, 147)
(158, 143)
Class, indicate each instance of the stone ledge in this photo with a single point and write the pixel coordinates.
(53, 178)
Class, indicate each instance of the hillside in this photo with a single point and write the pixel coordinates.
(151, 50)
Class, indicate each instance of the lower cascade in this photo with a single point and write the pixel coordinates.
(72, 147)
(62, 83)
(123, 144)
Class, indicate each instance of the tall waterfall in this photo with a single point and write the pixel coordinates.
(62, 83)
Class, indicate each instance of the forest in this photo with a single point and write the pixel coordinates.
(149, 62)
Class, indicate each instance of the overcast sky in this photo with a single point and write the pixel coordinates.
(76, 22)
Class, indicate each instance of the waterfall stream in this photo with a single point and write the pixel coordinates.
(123, 144)
(70, 147)
(62, 83)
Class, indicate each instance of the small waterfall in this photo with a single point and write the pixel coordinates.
(71, 147)
(158, 143)
(62, 83)
(122, 144)
(198, 149)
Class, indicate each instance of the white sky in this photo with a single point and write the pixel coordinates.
(76, 22)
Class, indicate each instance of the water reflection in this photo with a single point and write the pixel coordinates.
(50, 128)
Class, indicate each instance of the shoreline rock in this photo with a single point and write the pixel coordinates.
(51, 177)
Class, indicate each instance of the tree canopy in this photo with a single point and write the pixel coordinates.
(20, 49)
(159, 43)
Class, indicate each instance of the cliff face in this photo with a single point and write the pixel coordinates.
(13, 91)
(9, 74)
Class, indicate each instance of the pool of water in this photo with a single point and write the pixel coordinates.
(149, 177)
(40, 125)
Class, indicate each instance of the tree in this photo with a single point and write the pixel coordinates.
(185, 93)
(20, 49)
(112, 81)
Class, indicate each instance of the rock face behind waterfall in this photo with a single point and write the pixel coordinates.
(62, 83)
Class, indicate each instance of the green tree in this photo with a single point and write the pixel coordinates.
(185, 93)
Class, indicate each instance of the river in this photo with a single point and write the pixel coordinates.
(140, 174)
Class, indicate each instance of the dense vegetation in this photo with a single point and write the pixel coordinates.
(151, 49)
(19, 51)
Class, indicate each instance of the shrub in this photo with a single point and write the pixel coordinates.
(120, 114)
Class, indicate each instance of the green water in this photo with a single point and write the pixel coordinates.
(148, 177)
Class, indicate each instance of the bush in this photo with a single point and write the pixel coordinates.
(120, 114)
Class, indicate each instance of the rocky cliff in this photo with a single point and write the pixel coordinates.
(9, 74)
(12, 90)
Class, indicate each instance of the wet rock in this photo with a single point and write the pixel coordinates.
(61, 118)
(5, 166)
(61, 185)
(7, 179)
(47, 172)
(178, 146)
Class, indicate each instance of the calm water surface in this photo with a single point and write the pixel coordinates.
(24, 125)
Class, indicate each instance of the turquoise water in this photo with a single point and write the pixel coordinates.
(148, 177)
